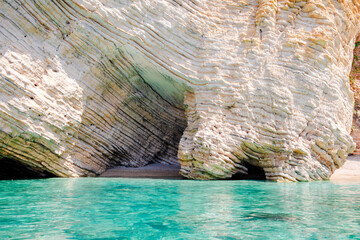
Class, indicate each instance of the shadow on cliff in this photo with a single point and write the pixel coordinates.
(254, 173)
(11, 169)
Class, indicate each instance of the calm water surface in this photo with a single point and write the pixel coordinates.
(95, 208)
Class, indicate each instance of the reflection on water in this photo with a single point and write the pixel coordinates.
(270, 216)
(91, 208)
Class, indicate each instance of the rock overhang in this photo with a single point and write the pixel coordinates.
(259, 83)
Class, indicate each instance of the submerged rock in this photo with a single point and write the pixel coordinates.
(215, 85)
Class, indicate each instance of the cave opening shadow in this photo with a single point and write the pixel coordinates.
(254, 173)
(11, 169)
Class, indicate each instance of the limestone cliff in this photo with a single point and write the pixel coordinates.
(355, 87)
(218, 86)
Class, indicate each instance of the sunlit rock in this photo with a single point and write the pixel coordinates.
(214, 85)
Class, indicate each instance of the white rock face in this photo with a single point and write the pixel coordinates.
(90, 84)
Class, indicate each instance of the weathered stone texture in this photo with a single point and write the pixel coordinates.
(355, 87)
(90, 84)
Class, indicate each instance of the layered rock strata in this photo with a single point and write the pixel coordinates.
(355, 87)
(90, 84)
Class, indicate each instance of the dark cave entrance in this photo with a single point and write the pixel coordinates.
(11, 169)
(254, 173)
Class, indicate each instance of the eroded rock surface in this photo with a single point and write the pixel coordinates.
(90, 84)
(355, 87)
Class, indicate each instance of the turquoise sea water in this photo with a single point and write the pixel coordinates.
(98, 208)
